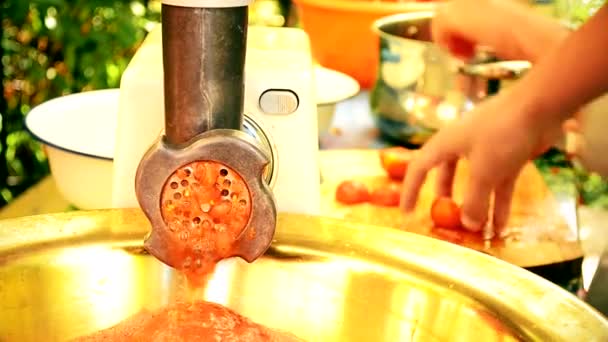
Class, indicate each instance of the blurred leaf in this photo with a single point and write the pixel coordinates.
(56, 3)
(17, 10)
(52, 48)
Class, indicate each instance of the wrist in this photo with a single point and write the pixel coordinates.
(538, 35)
(538, 46)
(534, 109)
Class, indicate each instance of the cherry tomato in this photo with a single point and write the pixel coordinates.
(352, 192)
(394, 161)
(386, 196)
(445, 213)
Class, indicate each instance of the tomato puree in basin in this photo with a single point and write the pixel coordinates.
(189, 321)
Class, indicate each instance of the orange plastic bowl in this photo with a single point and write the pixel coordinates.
(341, 35)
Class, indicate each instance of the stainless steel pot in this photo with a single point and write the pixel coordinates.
(419, 87)
(65, 275)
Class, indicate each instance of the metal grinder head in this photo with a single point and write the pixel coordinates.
(202, 184)
(206, 201)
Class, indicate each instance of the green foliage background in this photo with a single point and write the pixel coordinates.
(576, 12)
(52, 48)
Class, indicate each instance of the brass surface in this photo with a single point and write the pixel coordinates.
(65, 275)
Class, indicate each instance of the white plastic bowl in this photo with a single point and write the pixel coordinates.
(77, 132)
(331, 87)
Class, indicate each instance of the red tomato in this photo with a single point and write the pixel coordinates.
(394, 161)
(446, 213)
(386, 196)
(352, 192)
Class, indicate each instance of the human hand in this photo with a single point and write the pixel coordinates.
(497, 138)
(512, 30)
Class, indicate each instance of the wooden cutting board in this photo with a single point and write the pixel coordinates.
(537, 233)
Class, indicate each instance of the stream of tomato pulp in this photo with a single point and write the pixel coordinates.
(206, 207)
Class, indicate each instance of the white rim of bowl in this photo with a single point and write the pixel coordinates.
(54, 145)
(354, 86)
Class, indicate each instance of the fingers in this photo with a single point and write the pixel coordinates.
(503, 195)
(440, 28)
(414, 178)
(571, 125)
(460, 47)
(445, 178)
(437, 25)
(477, 197)
(447, 34)
(445, 146)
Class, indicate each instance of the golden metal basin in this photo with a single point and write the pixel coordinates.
(67, 275)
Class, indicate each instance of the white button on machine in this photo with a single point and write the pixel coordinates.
(278, 102)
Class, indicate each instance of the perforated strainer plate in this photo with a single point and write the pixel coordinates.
(206, 206)
(206, 201)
